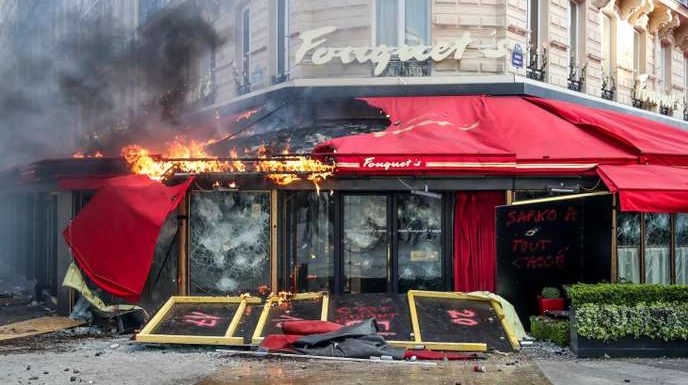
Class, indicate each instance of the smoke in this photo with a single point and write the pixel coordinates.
(95, 87)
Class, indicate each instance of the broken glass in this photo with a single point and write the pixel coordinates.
(229, 242)
(365, 244)
(628, 246)
(657, 249)
(310, 244)
(419, 242)
(682, 249)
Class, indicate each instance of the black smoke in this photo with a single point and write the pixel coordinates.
(97, 87)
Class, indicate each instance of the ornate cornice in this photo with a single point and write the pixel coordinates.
(637, 12)
(601, 3)
(681, 38)
(662, 22)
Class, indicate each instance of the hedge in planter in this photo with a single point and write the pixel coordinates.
(609, 322)
(625, 294)
(544, 328)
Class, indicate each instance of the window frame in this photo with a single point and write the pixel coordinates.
(641, 246)
(401, 23)
(611, 36)
(285, 55)
(665, 60)
(574, 45)
(534, 40)
(246, 42)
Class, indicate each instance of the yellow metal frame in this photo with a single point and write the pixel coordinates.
(228, 339)
(456, 346)
(560, 198)
(258, 332)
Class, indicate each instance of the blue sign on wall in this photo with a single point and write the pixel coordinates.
(517, 56)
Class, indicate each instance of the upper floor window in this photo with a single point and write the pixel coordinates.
(245, 51)
(281, 41)
(636, 52)
(533, 16)
(685, 72)
(574, 30)
(665, 65)
(607, 43)
(399, 22)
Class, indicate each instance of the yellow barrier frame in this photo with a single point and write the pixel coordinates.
(146, 334)
(258, 332)
(456, 346)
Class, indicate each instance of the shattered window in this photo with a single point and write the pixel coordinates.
(310, 245)
(657, 250)
(419, 242)
(366, 251)
(628, 246)
(229, 242)
(681, 249)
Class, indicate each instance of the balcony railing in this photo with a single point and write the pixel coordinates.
(410, 68)
(537, 64)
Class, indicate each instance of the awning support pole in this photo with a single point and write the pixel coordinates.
(183, 261)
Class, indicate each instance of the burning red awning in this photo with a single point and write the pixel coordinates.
(473, 134)
(426, 135)
(113, 238)
(648, 188)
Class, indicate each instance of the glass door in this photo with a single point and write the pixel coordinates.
(366, 244)
(418, 242)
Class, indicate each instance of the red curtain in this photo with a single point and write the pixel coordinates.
(474, 240)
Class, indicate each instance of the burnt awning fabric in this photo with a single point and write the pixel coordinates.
(113, 238)
(648, 188)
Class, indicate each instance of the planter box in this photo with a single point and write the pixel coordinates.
(584, 347)
(551, 304)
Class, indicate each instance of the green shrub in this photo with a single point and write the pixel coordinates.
(625, 294)
(544, 328)
(608, 322)
(550, 293)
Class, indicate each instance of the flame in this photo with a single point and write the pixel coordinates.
(80, 155)
(191, 156)
(290, 170)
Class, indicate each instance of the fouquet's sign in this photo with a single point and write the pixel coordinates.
(313, 41)
(372, 163)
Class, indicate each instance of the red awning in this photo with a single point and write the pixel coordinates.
(648, 188)
(426, 135)
(113, 238)
(473, 134)
(652, 141)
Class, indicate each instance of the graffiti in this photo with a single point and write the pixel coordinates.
(463, 318)
(201, 319)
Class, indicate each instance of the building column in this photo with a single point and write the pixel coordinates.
(65, 210)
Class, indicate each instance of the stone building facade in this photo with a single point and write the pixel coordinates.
(628, 51)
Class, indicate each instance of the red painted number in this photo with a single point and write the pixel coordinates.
(464, 318)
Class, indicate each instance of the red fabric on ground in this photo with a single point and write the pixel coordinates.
(113, 238)
(309, 327)
(474, 240)
(648, 188)
(279, 342)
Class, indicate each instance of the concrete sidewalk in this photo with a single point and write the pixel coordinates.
(656, 371)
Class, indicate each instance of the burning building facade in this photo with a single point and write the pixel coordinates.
(265, 82)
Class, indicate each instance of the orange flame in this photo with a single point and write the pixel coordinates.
(80, 155)
(191, 156)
